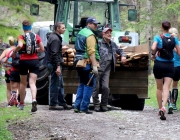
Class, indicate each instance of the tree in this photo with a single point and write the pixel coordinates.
(14, 12)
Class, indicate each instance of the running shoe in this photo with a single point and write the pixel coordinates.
(162, 111)
(170, 108)
(21, 106)
(8, 106)
(34, 106)
(174, 106)
(12, 99)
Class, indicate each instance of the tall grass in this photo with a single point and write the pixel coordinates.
(151, 92)
(9, 115)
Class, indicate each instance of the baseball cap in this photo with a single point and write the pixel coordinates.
(92, 20)
(107, 29)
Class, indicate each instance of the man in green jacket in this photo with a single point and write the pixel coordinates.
(86, 46)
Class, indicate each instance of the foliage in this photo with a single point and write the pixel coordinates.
(151, 15)
(14, 12)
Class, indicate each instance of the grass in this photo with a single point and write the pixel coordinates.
(2, 93)
(9, 115)
(151, 92)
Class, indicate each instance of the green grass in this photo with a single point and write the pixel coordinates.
(10, 115)
(151, 92)
(2, 93)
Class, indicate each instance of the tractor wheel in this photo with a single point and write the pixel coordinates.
(42, 82)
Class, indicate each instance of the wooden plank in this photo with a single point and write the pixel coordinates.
(142, 48)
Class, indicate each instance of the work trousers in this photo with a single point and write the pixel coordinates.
(102, 86)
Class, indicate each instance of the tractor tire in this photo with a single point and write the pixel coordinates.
(42, 82)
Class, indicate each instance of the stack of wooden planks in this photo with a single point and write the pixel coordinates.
(137, 56)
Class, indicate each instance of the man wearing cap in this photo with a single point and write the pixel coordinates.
(107, 50)
(86, 47)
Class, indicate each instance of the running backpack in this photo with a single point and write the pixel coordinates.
(15, 61)
(30, 40)
(168, 44)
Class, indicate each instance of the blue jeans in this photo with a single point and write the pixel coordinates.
(84, 92)
(56, 88)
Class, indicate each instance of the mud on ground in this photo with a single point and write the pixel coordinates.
(111, 125)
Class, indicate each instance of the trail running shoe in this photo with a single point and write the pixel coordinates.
(12, 99)
(8, 106)
(162, 111)
(21, 106)
(174, 107)
(34, 106)
(170, 108)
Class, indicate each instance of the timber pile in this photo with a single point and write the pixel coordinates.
(137, 57)
(68, 56)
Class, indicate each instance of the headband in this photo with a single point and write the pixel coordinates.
(26, 27)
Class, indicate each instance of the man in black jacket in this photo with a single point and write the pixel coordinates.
(54, 61)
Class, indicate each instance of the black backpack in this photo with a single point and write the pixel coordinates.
(168, 44)
(15, 61)
(30, 40)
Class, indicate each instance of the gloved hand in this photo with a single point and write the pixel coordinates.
(95, 70)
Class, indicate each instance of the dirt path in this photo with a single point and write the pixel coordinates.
(112, 125)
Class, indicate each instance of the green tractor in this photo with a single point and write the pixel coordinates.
(76, 12)
(126, 92)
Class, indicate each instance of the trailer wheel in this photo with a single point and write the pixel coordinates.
(42, 82)
(126, 102)
(132, 102)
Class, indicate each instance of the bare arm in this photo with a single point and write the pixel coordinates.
(41, 47)
(153, 50)
(154, 47)
(178, 49)
(19, 46)
(3, 55)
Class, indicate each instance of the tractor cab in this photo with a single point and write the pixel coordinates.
(76, 12)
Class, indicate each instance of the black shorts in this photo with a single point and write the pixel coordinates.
(163, 69)
(31, 66)
(7, 77)
(14, 76)
(176, 73)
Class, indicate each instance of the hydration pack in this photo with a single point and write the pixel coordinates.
(30, 40)
(168, 44)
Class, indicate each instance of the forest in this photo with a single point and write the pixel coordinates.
(150, 15)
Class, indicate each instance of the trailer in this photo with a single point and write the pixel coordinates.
(129, 84)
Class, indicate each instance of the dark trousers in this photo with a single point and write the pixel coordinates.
(56, 88)
(102, 86)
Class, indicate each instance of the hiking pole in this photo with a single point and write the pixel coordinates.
(90, 79)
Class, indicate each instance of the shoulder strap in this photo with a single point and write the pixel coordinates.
(161, 36)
